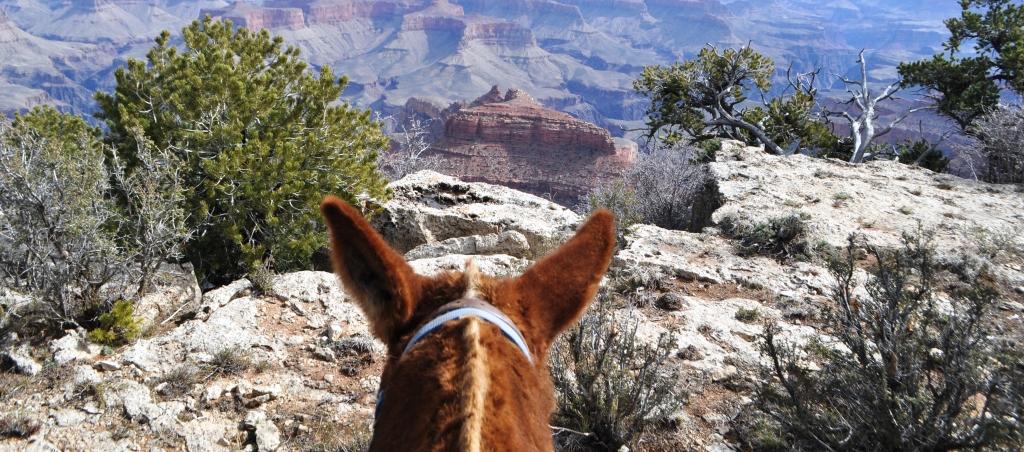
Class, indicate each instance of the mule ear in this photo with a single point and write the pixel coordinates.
(556, 290)
(383, 284)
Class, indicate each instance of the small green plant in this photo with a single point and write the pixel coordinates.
(921, 153)
(118, 326)
(706, 150)
(841, 196)
(609, 385)
(784, 237)
(746, 315)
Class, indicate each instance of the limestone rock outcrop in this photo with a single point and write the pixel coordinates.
(428, 207)
(312, 361)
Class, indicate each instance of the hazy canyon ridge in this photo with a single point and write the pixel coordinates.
(576, 56)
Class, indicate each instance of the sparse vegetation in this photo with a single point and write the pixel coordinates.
(229, 361)
(904, 372)
(324, 434)
(638, 286)
(12, 385)
(785, 237)
(998, 245)
(262, 278)
(180, 380)
(611, 388)
(408, 152)
(90, 390)
(997, 149)
(748, 315)
(18, 426)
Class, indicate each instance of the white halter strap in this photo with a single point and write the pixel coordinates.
(481, 310)
(460, 309)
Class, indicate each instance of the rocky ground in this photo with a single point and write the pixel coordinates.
(297, 369)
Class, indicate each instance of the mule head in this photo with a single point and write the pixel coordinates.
(546, 299)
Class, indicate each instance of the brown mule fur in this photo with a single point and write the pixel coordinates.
(435, 393)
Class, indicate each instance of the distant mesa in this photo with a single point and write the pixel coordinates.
(256, 17)
(510, 139)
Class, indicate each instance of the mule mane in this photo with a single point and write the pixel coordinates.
(475, 383)
(475, 377)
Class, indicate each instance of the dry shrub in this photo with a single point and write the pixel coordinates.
(18, 426)
(229, 361)
(180, 380)
(784, 237)
(666, 188)
(77, 230)
(997, 147)
(907, 372)
(610, 386)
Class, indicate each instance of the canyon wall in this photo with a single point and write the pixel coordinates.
(510, 139)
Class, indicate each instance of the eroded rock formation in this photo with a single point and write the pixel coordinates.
(510, 139)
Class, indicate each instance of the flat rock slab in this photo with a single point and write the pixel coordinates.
(881, 200)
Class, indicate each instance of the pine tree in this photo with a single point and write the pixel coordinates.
(262, 140)
(967, 85)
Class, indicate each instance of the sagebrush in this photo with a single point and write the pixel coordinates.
(77, 230)
(900, 369)
(611, 387)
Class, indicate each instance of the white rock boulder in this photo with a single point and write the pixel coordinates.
(429, 207)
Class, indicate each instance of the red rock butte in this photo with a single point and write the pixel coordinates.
(514, 141)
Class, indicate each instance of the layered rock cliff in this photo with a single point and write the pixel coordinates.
(258, 18)
(510, 139)
(331, 12)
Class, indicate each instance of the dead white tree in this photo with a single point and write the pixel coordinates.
(862, 123)
(410, 152)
